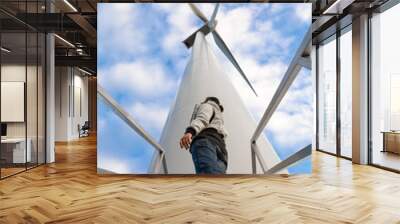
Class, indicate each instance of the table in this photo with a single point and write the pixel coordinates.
(391, 141)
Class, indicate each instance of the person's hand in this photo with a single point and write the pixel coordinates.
(186, 140)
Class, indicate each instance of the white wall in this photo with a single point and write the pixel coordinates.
(71, 87)
(62, 81)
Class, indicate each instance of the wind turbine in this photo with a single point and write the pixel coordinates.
(204, 76)
(208, 27)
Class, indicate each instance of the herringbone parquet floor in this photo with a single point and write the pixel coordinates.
(70, 191)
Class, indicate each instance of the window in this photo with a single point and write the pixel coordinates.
(385, 89)
(327, 95)
(346, 92)
(22, 77)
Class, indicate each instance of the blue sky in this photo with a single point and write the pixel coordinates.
(141, 59)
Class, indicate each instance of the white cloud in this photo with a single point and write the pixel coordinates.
(114, 165)
(150, 115)
(292, 123)
(291, 129)
(146, 78)
(101, 123)
(303, 11)
(246, 35)
(181, 24)
(235, 27)
(277, 8)
(264, 78)
(119, 29)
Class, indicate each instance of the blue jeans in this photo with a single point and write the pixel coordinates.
(205, 158)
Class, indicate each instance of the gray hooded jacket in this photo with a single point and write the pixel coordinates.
(202, 117)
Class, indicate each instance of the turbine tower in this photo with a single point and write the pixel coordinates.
(203, 76)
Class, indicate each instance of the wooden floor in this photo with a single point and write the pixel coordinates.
(387, 159)
(9, 171)
(70, 191)
(5, 172)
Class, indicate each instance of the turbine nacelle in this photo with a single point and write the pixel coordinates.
(209, 27)
(212, 24)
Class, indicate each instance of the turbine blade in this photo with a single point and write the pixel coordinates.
(212, 19)
(198, 12)
(221, 44)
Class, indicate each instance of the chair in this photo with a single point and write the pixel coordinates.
(84, 130)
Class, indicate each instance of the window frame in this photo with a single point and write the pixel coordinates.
(337, 34)
(381, 9)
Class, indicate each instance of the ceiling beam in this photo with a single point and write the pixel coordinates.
(81, 61)
(338, 6)
(86, 26)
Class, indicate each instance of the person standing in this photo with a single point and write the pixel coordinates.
(205, 138)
